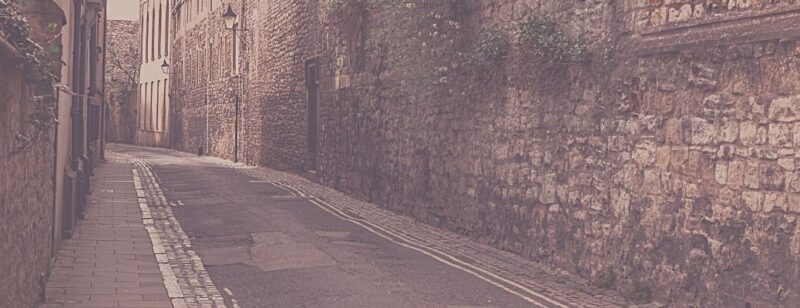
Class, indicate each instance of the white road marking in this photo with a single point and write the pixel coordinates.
(415, 245)
(233, 300)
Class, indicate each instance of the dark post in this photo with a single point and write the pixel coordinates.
(236, 132)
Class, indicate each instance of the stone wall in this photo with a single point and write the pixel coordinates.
(664, 165)
(271, 78)
(121, 81)
(26, 198)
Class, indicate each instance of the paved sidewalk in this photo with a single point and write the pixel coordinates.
(109, 261)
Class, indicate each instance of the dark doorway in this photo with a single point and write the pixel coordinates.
(312, 88)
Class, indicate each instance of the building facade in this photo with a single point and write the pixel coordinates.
(43, 187)
(154, 102)
(663, 163)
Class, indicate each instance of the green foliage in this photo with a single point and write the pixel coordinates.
(491, 49)
(39, 68)
(606, 278)
(544, 39)
(335, 9)
(639, 294)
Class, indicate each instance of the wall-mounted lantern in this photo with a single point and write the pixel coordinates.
(230, 18)
(165, 67)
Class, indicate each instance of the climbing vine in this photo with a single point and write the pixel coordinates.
(543, 38)
(491, 49)
(39, 65)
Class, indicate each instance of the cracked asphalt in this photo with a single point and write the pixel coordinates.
(269, 248)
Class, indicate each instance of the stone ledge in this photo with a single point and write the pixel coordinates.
(778, 24)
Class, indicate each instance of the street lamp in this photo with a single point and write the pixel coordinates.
(165, 67)
(230, 18)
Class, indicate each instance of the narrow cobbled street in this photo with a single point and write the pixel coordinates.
(241, 236)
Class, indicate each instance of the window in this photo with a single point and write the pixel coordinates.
(166, 40)
(144, 106)
(150, 114)
(157, 125)
(235, 51)
(147, 38)
(153, 35)
(142, 40)
(160, 33)
(164, 108)
(142, 96)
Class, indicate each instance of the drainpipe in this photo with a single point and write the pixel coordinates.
(240, 97)
(208, 81)
(102, 133)
(76, 111)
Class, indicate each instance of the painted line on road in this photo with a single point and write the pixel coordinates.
(431, 252)
(233, 299)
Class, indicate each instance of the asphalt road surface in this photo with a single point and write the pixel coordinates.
(269, 248)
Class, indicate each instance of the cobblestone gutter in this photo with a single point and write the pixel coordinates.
(186, 279)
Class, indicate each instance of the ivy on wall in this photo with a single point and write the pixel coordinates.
(543, 38)
(40, 65)
(438, 48)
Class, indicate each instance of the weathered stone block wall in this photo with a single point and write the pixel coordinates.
(275, 107)
(121, 81)
(26, 198)
(202, 87)
(188, 89)
(664, 166)
(270, 84)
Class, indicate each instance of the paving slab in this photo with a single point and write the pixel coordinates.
(109, 261)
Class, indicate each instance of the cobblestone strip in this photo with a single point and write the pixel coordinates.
(542, 284)
(186, 279)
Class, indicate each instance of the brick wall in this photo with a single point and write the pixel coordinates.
(121, 81)
(664, 166)
(26, 198)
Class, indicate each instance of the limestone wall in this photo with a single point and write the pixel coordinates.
(664, 164)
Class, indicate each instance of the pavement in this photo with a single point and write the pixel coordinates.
(219, 234)
(109, 261)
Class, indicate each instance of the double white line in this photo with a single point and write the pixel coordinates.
(531, 296)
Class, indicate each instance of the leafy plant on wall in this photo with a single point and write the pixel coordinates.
(542, 38)
(41, 66)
